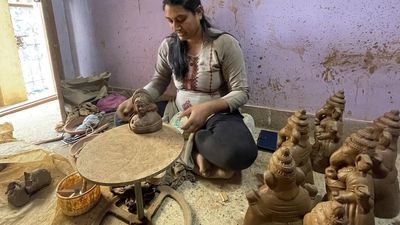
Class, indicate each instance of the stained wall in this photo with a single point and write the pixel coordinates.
(297, 53)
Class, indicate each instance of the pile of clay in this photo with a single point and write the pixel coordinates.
(19, 192)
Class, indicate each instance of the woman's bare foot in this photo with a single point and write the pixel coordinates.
(205, 169)
(203, 165)
(217, 172)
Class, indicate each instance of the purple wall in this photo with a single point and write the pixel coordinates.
(75, 30)
(63, 38)
(297, 53)
(128, 33)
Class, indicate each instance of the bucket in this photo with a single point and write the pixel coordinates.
(80, 203)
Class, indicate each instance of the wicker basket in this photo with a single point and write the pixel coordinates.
(72, 124)
(77, 146)
(79, 204)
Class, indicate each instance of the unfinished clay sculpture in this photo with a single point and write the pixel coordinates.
(387, 193)
(359, 194)
(332, 183)
(295, 136)
(328, 131)
(326, 213)
(36, 180)
(281, 199)
(362, 141)
(145, 118)
(16, 194)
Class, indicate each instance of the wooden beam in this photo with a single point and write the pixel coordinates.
(25, 105)
(54, 50)
(19, 4)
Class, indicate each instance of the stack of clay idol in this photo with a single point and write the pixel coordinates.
(360, 172)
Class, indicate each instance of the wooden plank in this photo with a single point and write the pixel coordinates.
(20, 4)
(26, 105)
(54, 50)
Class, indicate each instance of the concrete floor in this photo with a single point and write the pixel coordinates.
(203, 196)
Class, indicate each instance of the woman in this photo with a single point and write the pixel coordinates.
(207, 68)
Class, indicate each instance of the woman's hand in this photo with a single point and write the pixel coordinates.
(198, 114)
(125, 110)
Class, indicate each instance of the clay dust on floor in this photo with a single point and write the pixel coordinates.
(212, 202)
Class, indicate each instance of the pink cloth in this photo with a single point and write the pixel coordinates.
(110, 102)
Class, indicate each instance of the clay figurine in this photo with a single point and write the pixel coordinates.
(332, 183)
(362, 141)
(145, 118)
(326, 213)
(387, 193)
(36, 180)
(295, 136)
(16, 194)
(359, 194)
(281, 199)
(328, 131)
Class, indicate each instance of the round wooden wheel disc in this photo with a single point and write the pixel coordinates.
(121, 157)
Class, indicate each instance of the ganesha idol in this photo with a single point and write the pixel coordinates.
(282, 199)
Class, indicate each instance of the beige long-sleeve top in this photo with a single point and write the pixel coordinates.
(217, 72)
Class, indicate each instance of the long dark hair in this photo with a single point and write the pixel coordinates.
(177, 48)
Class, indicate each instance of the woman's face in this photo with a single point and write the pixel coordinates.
(183, 22)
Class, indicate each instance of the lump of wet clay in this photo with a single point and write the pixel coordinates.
(2, 166)
(36, 180)
(16, 194)
(19, 192)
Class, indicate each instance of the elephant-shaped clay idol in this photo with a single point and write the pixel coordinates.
(281, 199)
(326, 213)
(328, 131)
(295, 136)
(387, 193)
